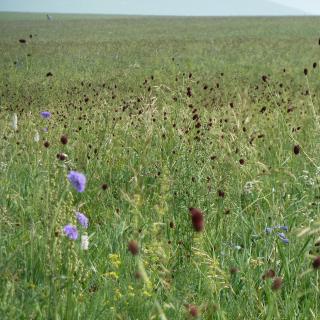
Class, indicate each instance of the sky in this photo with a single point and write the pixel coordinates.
(171, 7)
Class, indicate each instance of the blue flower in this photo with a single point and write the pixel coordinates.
(268, 229)
(71, 232)
(78, 180)
(285, 228)
(45, 114)
(82, 219)
(283, 237)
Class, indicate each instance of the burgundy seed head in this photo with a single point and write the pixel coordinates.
(296, 149)
(197, 219)
(193, 310)
(64, 139)
(133, 247)
(277, 283)
(221, 194)
(269, 274)
(241, 161)
(305, 71)
(62, 156)
(46, 144)
(104, 186)
(316, 263)
(234, 270)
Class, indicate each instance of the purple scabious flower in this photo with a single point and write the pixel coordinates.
(71, 231)
(45, 129)
(268, 229)
(284, 228)
(82, 219)
(283, 237)
(45, 114)
(78, 180)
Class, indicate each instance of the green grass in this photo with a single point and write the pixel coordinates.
(119, 92)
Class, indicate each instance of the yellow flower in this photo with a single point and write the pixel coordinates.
(112, 274)
(115, 260)
(147, 293)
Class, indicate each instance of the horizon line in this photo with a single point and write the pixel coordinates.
(303, 14)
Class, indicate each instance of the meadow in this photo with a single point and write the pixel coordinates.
(199, 142)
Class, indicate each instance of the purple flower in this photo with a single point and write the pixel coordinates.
(268, 229)
(71, 231)
(45, 114)
(45, 129)
(78, 180)
(283, 237)
(82, 219)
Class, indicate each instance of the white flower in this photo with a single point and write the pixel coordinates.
(36, 137)
(249, 187)
(84, 242)
(15, 122)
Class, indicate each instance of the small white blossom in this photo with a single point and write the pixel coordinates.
(84, 242)
(15, 122)
(36, 137)
(249, 187)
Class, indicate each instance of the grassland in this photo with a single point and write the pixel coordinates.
(160, 114)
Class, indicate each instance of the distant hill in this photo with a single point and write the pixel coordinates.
(154, 7)
(201, 7)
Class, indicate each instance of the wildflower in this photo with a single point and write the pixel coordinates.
(62, 156)
(45, 129)
(233, 270)
(197, 219)
(15, 122)
(296, 149)
(78, 180)
(193, 310)
(283, 237)
(64, 139)
(46, 144)
(316, 263)
(84, 242)
(277, 283)
(249, 187)
(270, 229)
(45, 114)
(82, 219)
(36, 137)
(71, 231)
(133, 247)
(115, 260)
(221, 193)
(104, 186)
(269, 274)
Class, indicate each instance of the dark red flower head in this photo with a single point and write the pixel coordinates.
(316, 263)
(277, 283)
(269, 274)
(193, 310)
(64, 139)
(133, 247)
(197, 219)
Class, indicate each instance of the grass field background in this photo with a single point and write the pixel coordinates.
(161, 115)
